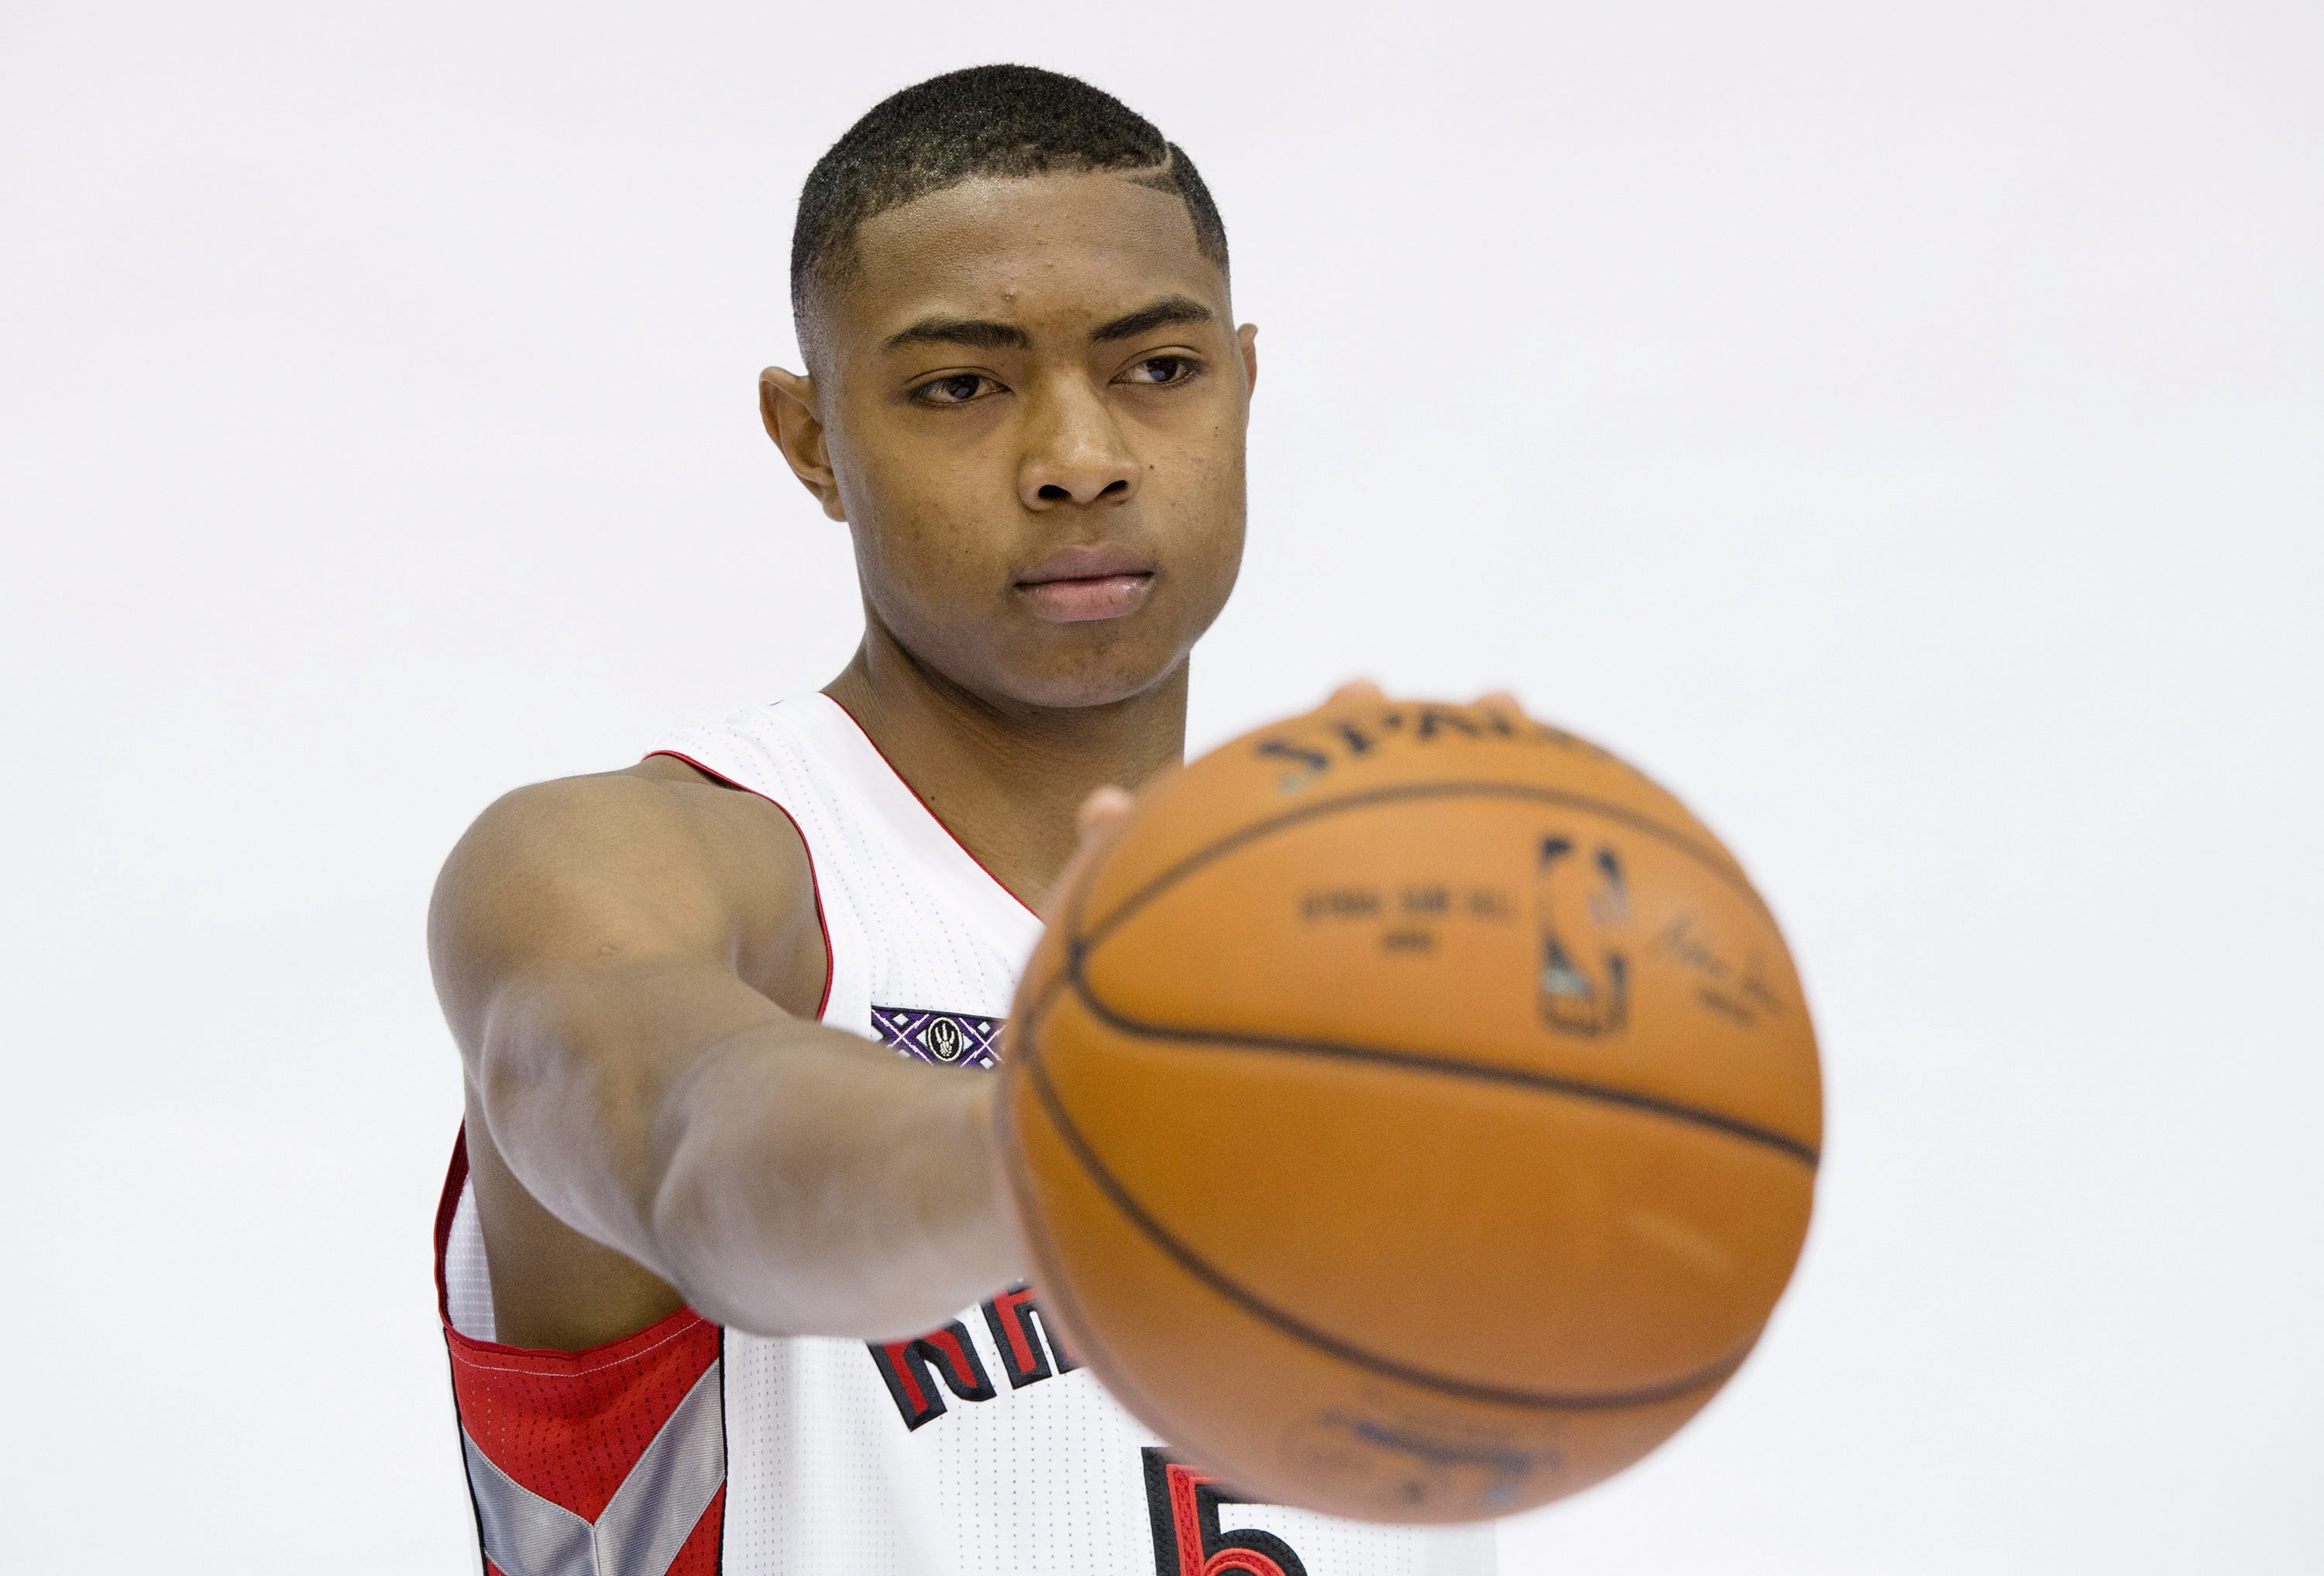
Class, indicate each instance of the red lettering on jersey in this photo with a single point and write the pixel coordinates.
(910, 1368)
(1011, 1316)
(1029, 1352)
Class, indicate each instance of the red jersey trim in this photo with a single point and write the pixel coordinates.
(815, 882)
(924, 805)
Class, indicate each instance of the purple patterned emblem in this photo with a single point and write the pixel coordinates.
(944, 1039)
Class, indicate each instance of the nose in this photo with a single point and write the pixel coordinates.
(1076, 451)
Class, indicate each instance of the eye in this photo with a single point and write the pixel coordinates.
(953, 389)
(1159, 370)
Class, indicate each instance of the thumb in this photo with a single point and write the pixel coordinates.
(1099, 820)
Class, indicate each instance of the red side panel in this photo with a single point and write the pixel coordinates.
(571, 1426)
(699, 1557)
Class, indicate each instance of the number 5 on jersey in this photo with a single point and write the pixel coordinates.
(1184, 1503)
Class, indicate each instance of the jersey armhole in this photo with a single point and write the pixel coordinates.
(466, 1350)
(814, 882)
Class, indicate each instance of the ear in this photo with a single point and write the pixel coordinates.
(1247, 338)
(787, 405)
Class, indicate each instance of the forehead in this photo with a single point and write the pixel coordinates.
(1059, 248)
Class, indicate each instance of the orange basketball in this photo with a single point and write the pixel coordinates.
(1414, 1112)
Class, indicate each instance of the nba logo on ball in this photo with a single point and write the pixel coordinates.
(1584, 982)
(1323, 1160)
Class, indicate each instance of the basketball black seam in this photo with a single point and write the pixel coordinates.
(1028, 1199)
(1425, 1062)
(1723, 868)
(1298, 1329)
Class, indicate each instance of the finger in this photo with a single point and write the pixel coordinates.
(1357, 692)
(1502, 704)
(1102, 810)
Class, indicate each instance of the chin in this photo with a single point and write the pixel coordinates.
(1101, 679)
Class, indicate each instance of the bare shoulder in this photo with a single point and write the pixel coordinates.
(654, 859)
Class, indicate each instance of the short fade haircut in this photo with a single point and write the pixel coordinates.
(1004, 121)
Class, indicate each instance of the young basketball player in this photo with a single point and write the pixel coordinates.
(729, 1282)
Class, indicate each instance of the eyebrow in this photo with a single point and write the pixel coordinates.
(1168, 310)
(980, 332)
(985, 334)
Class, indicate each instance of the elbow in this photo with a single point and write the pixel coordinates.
(699, 1219)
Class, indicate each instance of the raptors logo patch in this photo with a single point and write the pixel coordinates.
(944, 1039)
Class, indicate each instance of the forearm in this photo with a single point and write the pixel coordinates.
(829, 1188)
(785, 1178)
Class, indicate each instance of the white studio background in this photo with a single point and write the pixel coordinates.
(1901, 427)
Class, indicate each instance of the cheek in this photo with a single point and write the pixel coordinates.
(1203, 506)
(1206, 497)
(926, 561)
(919, 552)
(916, 504)
(895, 507)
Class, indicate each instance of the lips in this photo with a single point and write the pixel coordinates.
(1078, 585)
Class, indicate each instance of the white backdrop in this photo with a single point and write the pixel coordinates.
(1901, 427)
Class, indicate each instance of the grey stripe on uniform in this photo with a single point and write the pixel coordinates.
(643, 1526)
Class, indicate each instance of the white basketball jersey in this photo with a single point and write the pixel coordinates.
(978, 1450)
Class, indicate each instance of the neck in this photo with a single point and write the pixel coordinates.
(1007, 779)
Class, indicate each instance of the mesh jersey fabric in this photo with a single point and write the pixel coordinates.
(979, 1450)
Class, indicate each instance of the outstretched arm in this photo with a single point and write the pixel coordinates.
(609, 951)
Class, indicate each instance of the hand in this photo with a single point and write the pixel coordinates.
(1360, 692)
